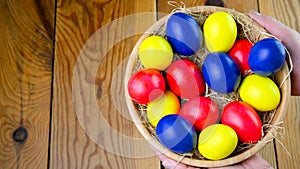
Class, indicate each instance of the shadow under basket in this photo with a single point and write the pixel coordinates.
(270, 120)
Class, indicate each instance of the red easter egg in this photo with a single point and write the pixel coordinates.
(185, 79)
(244, 120)
(200, 111)
(240, 54)
(146, 85)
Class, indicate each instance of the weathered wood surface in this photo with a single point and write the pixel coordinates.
(40, 44)
(76, 22)
(26, 56)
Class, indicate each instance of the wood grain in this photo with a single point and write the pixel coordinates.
(77, 21)
(26, 74)
(165, 8)
(26, 70)
(239, 5)
(285, 11)
(288, 145)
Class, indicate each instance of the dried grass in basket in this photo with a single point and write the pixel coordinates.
(246, 29)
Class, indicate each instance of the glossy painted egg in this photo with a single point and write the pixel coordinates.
(240, 54)
(177, 134)
(185, 79)
(244, 120)
(267, 56)
(146, 85)
(155, 52)
(220, 32)
(164, 105)
(221, 73)
(260, 92)
(217, 141)
(184, 34)
(200, 111)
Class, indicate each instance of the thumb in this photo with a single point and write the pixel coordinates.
(273, 26)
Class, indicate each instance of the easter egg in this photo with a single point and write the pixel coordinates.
(267, 56)
(162, 106)
(221, 73)
(220, 32)
(155, 52)
(200, 111)
(176, 133)
(217, 141)
(185, 79)
(184, 34)
(244, 120)
(240, 54)
(146, 85)
(260, 92)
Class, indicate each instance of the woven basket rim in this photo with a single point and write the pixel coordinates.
(279, 114)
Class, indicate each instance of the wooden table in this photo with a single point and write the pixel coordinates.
(40, 43)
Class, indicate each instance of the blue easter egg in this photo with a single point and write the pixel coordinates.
(267, 56)
(184, 34)
(221, 72)
(176, 134)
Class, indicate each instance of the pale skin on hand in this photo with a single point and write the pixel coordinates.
(291, 39)
(254, 162)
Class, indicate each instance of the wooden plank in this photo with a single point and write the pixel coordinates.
(71, 146)
(269, 154)
(26, 47)
(239, 5)
(288, 145)
(287, 12)
(164, 8)
(284, 11)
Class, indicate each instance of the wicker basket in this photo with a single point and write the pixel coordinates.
(247, 29)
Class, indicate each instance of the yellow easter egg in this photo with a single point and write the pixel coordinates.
(165, 105)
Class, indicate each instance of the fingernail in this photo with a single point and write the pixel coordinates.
(254, 12)
(167, 164)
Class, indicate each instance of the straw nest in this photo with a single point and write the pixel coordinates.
(271, 120)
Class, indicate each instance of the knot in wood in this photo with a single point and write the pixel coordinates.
(20, 135)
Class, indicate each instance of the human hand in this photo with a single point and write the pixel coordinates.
(254, 162)
(169, 163)
(289, 37)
